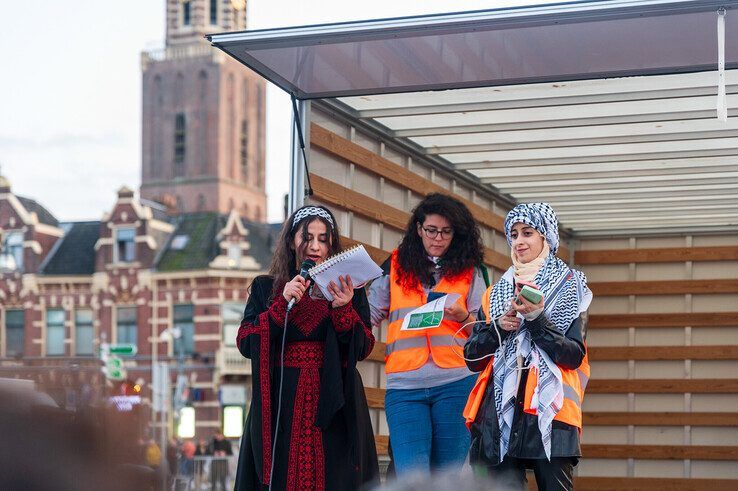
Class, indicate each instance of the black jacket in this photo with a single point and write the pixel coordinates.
(566, 350)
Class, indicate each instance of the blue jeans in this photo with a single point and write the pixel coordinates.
(427, 430)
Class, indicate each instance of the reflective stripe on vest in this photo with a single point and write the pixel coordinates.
(571, 393)
(419, 342)
(399, 314)
(583, 378)
(409, 350)
(574, 382)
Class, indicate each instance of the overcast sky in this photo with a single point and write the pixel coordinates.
(70, 92)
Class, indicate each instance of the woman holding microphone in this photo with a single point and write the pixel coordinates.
(525, 410)
(308, 426)
(427, 380)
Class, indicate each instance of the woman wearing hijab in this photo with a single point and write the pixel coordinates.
(427, 379)
(310, 396)
(525, 410)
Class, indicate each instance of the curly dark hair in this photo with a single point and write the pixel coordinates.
(284, 265)
(464, 252)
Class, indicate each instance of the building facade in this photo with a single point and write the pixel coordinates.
(172, 286)
(203, 139)
(167, 270)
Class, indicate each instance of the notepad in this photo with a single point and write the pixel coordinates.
(354, 262)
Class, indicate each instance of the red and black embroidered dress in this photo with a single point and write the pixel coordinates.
(325, 439)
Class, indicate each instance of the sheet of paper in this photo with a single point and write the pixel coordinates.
(429, 315)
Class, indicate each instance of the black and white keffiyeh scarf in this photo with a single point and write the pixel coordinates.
(566, 296)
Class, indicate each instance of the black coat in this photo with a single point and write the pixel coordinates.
(566, 350)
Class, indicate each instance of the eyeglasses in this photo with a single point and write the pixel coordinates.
(432, 233)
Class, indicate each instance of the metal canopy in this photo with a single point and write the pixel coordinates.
(641, 154)
(567, 41)
(615, 156)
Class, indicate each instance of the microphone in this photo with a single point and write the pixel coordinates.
(304, 272)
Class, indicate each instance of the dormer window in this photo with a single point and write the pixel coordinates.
(11, 255)
(124, 250)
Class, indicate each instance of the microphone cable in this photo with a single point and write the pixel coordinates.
(279, 398)
(494, 322)
(306, 265)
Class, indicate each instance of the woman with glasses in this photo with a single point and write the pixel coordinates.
(427, 379)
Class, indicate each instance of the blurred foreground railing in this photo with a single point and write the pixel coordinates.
(205, 472)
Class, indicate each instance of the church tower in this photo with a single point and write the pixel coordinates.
(203, 141)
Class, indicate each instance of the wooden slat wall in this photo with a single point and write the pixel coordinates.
(345, 149)
(372, 189)
(327, 141)
(337, 195)
(665, 255)
(652, 484)
(687, 319)
(673, 287)
(652, 305)
(648, 387)
(599, 353)
(624, 418)
(632, 302)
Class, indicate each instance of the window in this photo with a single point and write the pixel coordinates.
(186, 426)
(126, 325)
(180, 136)
(125, 246)
(84, 335)
(186, 12)
(214, 12)
(55, 332)
(12, 251)
(232, 314)
(14, 329)
(244, 148)
(185, 343)
(233, 421)
(234, 254)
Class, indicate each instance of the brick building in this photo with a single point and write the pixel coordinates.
(65, 288)
(180, 254)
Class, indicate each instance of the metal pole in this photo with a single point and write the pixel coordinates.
(154, 353)
(297, 166)
(176, 404)
(163, 430)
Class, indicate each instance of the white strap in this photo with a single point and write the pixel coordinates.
(722, 101)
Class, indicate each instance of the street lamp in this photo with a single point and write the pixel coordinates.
(168, 334)
(175, 334)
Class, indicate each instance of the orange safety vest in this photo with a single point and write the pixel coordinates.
(409, 350)
(574, 382)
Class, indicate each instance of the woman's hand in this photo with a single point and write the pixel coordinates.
(295, 288)
(510, 322)
(457, 313)
(525, 307)
(343, 294)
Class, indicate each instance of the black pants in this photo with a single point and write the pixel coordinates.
(555, 475)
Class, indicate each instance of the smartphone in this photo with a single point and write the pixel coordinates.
(531, 294)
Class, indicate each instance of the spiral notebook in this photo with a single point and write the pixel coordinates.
(354, 262)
